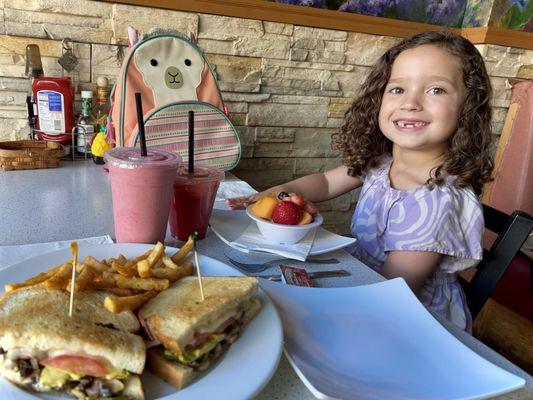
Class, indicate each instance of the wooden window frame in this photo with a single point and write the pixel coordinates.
(331, 19)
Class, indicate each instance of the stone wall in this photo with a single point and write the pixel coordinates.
(287, 87)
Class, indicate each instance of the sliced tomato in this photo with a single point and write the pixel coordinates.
(78, 365)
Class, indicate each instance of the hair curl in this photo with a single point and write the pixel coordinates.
(468, 158)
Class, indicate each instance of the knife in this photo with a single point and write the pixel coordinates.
(312, 275)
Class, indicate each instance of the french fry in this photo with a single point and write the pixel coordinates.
(173, 274)
(134, 261)
(167, 261)
(141, 283)
(182, 253)
(119, 292)
(122, 259)
(107, 280)
(34, 280)
(95, 265)
(155, 254)
(143, 269)
(108, 261)
(60, 277)
(123, 269)
(128, 303)
(15, 286)
(83, 280)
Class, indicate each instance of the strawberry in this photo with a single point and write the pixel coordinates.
(298, 199)
(286, 212)
(310, 208)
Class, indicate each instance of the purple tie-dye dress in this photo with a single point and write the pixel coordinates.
(446, 220)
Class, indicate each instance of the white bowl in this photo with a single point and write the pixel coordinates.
(279, 233)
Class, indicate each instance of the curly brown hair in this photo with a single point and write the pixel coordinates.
(469, 158)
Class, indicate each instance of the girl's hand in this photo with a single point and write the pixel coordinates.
(240, 203)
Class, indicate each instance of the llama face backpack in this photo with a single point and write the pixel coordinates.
(173, 77)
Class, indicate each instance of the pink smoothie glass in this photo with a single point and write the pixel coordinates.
(192, 200)
(141, 188)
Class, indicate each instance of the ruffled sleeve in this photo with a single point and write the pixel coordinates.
(445, 220)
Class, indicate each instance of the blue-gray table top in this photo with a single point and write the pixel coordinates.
(74, 201)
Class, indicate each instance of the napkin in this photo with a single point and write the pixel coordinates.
(233, 188)
(252, 240)
(13, 254)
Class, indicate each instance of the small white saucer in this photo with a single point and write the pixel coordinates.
(228, 225)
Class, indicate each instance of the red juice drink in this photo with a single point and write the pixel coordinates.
(192, 200)
(142, 189)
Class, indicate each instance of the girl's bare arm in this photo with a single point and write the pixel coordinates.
(415, 267)
(315, 188)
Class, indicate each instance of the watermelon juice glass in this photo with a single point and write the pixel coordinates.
(192, 201)
(141, 189)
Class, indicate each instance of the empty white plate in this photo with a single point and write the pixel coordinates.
(379, 342)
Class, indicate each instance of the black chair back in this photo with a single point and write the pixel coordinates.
(512, 232)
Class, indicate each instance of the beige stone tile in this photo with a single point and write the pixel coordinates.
(144, 18)
(364, 49)
(216, 46)
(261, 180)
(270, 114)
(278, 28)
(13, 112)
(14, 128)
(247, 97)
(267, 164)
(338, 106)
(306, 65)
(237, 107)
(272, 149)
(13, 57)
(274, 135)
(307, 166)
(269, 45)
(318, 33)
(58, 25)
(10, 98)
(525, 72)
(238, 119)
(234, 69)
(105, 62)
(75, 7)
(222, 28)
(287, 99)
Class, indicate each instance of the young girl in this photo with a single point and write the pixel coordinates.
(418, 139)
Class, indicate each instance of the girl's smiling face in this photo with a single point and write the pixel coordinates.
(422, 99)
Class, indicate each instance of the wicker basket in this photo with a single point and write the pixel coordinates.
(30, 154)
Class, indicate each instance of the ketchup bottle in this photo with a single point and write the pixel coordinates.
(54, 98)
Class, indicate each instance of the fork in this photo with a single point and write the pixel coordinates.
(259, 267)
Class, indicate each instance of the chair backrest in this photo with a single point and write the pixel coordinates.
(512, 232)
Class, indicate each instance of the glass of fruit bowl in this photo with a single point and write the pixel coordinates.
(281, 233)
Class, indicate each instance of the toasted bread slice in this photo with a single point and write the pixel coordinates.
(172, 372)
(174, 315)
(133, 388)
(37, 319)
(180, 375)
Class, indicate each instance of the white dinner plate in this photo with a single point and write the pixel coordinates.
(378, 342)
(242, 372)
(228, 225)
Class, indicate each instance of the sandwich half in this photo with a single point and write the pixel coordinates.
(93, 354)
(192, 333)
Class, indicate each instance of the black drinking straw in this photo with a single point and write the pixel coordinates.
(191, 142)
(140, 123)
